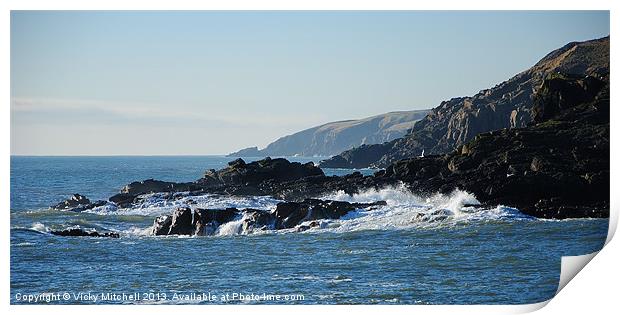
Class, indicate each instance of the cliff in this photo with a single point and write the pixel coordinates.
(507, 105)
(335, 137)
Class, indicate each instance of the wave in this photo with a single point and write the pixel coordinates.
(37, 227)
(404, 210)
(161, 203)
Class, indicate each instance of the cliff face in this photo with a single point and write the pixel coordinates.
(507, 105)
(335, 137)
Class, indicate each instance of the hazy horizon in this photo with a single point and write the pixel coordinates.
(208, 83)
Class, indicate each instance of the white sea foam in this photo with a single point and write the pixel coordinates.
(24, 244)
(40, 227)
(158, 204)
(404, 209)
(234, 227)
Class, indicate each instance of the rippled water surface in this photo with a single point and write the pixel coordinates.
(415, 250)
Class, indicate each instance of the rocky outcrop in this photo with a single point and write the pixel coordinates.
(268, 170)
(291, 214)
(128, 194)
(80, 232)
(74, 201)
(457, 121)
(187, 221)
(361, 157)
(77, 203)
(558, 167)
(335, 137)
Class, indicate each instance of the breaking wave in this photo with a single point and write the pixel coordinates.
(162, 203)
(404, 210)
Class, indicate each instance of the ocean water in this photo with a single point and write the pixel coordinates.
(416, 250)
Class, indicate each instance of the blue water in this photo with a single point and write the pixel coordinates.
(475, 256)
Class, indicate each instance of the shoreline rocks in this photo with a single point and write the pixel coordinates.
(127, 196)
(258, 172)
(200, 222)
(556, 167)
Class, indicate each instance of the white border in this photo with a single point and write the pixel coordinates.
(594, 291)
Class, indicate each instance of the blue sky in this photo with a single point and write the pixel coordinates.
(107, 83)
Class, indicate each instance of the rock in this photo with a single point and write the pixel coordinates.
(360, 157)
(545, 170)
(254, 220)
(259, 172)
(563, 155)
(80, 232)
(307, 226)
(128, 194)
(150, 186)
(185, 221)
(122, 200)
(208, 220)
(161, 226)
(291, 214)
(78, 203)
(72, 202)
(559, 93)
(182, 222)
(556, 167)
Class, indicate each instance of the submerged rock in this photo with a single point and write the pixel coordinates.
(80, 232)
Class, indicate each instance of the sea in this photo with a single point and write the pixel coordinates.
(418, 249)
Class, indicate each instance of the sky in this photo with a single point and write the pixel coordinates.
(198, 83)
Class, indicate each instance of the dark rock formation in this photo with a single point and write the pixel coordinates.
(558, 167)
(129, 193)
(457, 121)
(360, 157)
(252, 174)
(78, 203)
(72, 202)
(80, 232)
(185, 221)
(291, 214)
(552, 163)
(335, 137)
(208, 220)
